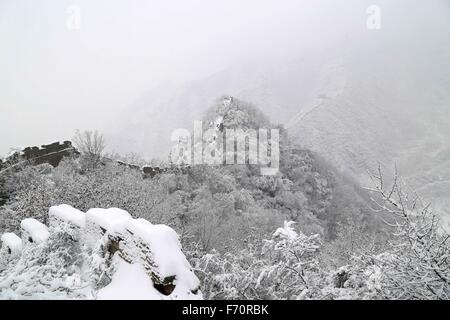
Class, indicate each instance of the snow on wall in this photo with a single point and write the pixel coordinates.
(99, 221)
(107, 218)
(150, 261)
(34, 231)
(156, 248)
(11, 248)
(11, 244)
(67, 214)
(154, 242)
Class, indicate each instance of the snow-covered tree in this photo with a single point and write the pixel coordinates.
(417, 264)
(283, 267)
(47, 270)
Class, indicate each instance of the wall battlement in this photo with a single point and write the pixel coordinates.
(50, 153)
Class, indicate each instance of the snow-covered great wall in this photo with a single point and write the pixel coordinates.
(146, 259)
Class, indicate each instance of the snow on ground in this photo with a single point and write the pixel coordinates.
(38, 231)
(68, 214)
(129, 282)
(12, 241)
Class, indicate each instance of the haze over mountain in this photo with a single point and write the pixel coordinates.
(375, 96)
(344, 84)
(354, 95)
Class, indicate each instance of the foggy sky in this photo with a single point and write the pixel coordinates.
(54, 80)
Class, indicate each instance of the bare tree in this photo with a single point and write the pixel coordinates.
(91, 143)
(418, 264)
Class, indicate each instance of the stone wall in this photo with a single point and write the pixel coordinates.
(127, 243)
(151, 172)
(51, 153)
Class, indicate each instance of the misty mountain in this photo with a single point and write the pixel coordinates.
(377, 99)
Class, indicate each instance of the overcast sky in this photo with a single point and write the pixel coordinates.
(54, 79)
